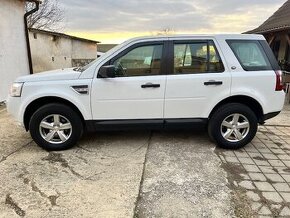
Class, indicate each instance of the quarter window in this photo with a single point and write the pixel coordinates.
(141, 61)
(196, 57)
(250, 54)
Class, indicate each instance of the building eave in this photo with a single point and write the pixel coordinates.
(62, 35)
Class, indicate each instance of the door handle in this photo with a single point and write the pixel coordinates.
(213, 83)
(150, 85)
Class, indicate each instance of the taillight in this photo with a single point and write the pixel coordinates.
(279, 82)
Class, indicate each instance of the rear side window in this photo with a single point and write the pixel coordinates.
(250, 54)
(196, 57)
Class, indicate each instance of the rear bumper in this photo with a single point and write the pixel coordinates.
(269, 116)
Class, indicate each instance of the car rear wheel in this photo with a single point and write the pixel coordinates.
(55, 127)
(233, 126)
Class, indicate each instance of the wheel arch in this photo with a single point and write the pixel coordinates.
(252, 103)
(39, 102)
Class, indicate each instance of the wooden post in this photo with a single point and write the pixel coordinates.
(287, 38)
(287, 84)
(271, 40)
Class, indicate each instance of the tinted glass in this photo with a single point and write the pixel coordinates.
(141, 61)
(196, 57)
(250, 54)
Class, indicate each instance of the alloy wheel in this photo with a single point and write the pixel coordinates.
(55, 129)
(235, 127)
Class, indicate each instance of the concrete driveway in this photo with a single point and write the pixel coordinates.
(140, 174)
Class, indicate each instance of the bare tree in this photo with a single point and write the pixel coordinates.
(48, 17)
(165, 31)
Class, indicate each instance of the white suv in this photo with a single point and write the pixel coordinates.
(228, 83)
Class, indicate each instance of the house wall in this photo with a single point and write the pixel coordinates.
(13, 52)
(50, 52)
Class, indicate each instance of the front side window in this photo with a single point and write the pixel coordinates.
(196, 57)
(250, 54)
(141, 61)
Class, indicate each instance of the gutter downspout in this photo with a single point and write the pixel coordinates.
(27, 35)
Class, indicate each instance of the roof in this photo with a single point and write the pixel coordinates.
(199, 36)
(61, 35)
(279, 21)
(105, 47)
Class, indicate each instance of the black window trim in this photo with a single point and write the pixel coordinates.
(171, 44)
(163, 67)
(265, 54)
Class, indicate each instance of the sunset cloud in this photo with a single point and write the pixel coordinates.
(116, 20)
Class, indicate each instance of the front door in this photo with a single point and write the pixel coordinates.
(137, 91)
(198, 80)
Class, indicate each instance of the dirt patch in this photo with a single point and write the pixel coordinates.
(56, 158)
(242, 205)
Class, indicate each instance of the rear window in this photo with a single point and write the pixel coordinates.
(250, 54)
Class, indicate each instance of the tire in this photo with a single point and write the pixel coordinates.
(55, 127)
(226, 126)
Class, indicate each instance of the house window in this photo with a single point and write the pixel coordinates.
(35, 35)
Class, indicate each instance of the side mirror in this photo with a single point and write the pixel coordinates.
(107, 71)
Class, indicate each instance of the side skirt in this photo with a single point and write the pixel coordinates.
(145, 124)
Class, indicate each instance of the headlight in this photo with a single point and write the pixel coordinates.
(16, 89)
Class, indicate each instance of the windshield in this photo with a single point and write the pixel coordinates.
(82, 69)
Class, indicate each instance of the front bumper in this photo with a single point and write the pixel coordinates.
(13, 108)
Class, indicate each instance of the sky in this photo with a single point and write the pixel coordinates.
(113, 21)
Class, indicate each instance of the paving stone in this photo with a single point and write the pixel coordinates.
(264, 186)
(222, 158)
(252, 149)
(274, 177)
(270, 156)
(256, 206)
(281, 187)
(247, 185)
(241, 154)
(245, 160)
(287, 163)
(265, 151)
(284, 157)
(286, 196)
(262, 162)
(229, 153)
(273, 146)
(285, 211)
(276, 163)
(255, 155)
(272, 196)
(265, 211)
(267, 169)
(245, 176)
(231, 159)
(278, 151)
(259, 145)
(257, 177)
(282, 170)
(253, 196)
(286, 177)
(251, 168)
(276, 206)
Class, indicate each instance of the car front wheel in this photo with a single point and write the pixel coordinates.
(55, 127)
(233, 126)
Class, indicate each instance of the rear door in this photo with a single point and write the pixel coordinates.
(198, 79)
